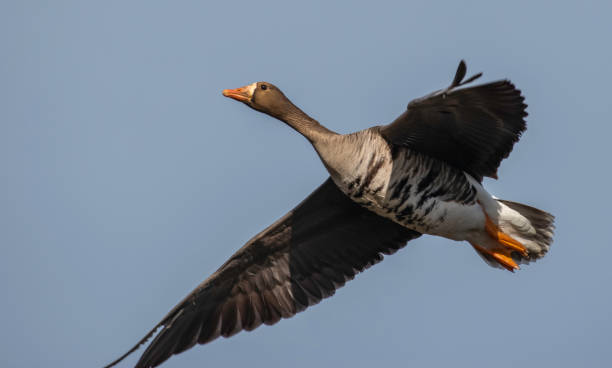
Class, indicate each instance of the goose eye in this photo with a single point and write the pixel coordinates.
(264, 87)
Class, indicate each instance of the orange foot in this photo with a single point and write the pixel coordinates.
(505, 246)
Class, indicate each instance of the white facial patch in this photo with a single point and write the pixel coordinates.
(251, 89)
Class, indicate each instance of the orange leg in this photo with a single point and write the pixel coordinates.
(503, 238)
(507, 245)
(502, 256)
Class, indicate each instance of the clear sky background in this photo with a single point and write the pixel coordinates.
(126, 178)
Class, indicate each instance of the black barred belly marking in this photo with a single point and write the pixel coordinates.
(415, 192)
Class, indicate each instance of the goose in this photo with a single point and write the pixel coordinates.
(420, 174)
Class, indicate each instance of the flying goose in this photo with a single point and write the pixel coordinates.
(421, 174)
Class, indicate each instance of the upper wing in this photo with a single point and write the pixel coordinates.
(472, 128)
(297, 261)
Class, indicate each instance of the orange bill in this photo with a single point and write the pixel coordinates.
(242, 94)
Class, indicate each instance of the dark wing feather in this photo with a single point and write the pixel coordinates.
(473, 129)
(299, 260)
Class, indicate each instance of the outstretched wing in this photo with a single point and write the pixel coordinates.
(473, 129)
(297, 261)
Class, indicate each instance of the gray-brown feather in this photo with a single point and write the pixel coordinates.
(299, 260)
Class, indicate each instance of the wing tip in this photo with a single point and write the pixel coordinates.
(460, 74)
(135, 347)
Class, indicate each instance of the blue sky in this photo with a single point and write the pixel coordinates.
(126, 178)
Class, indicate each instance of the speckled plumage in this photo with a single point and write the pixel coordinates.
(417, 191)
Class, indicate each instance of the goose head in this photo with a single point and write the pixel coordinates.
(261, 96)
(267, 98)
